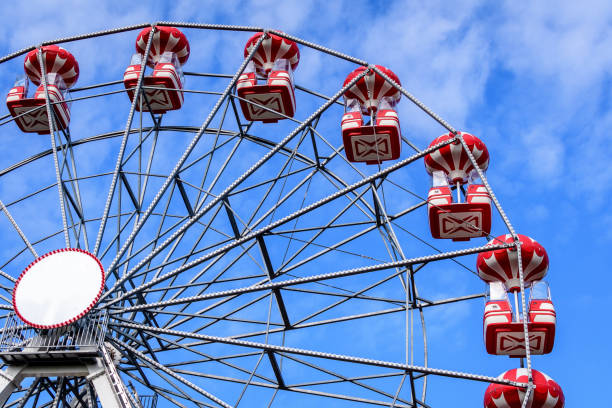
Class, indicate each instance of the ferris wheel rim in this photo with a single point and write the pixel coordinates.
(191, 129)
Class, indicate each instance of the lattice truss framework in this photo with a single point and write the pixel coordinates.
(247, 264)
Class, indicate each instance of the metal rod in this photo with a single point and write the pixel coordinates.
(318, 354)
(51, 120)
(314, 278)
(234, 184)
(516, 306)
(175, 171)
(458, 191)
(271, 226)
(126, 133)
(19, 231)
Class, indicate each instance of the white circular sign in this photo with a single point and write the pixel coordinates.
(58, 288)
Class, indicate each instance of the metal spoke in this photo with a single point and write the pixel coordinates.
(19, 231)
(312, 353)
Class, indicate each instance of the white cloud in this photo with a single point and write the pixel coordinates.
(50, 20)
(544, 151)
(568, 42)
(559, 61)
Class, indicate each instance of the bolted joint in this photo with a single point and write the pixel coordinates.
(95, 375)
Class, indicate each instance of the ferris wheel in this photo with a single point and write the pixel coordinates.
(179, 236)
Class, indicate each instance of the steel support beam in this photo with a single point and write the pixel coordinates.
(95, 372)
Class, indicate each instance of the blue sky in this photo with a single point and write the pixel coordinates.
(533, 81)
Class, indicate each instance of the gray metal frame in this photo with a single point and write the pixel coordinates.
(171, 253)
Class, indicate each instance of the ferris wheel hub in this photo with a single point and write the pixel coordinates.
(58, 288)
